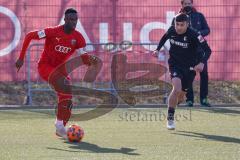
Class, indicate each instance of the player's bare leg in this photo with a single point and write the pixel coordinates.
(182, 97)
(173, 101)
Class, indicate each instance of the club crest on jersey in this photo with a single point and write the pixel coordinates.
(185, 38)
(73, 42)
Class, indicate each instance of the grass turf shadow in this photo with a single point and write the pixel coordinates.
(93, 148)
(205, 136)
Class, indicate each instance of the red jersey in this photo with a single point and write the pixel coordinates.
(58, 47)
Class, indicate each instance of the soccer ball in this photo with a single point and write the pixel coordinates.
(75, 133)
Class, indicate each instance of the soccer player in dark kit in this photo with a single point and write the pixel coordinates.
(183, 60)
(60, 43)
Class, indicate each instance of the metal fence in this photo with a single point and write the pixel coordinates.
(138, 21)
(113, 21)
(105, 52)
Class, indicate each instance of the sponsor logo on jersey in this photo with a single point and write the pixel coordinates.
(181, 44)
(62, 49)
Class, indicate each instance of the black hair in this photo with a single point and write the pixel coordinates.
(181, 17)
(183, 1)
(70, 10)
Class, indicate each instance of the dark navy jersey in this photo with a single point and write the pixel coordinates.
(183, 48)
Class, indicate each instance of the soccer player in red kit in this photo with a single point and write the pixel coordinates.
(61, 42)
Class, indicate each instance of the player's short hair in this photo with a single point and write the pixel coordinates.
(70, 10)
(181, 17)
(183, 1)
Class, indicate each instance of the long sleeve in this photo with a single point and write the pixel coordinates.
(207, 52)
(205, 28)
(27, 40)
(205, 47)
(164, 39)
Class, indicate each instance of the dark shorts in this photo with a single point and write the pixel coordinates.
(186, 75)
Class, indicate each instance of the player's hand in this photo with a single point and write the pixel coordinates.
(89, 59)
(155, 53)
(19, 64)
(199, 67)
(93, 60)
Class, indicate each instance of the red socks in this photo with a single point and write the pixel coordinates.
(64, 108)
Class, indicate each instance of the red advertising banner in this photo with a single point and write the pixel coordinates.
(137, 21)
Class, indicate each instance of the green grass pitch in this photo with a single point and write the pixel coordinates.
(131, 134)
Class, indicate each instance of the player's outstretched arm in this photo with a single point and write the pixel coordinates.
(27, 40)
(163, 40)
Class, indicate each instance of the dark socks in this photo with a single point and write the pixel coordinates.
(171, 112)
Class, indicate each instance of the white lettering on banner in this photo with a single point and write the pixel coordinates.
(104, 34)
(103, 31)
(127, 33)
(144, 33)
(147, 28)
(17, 34)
